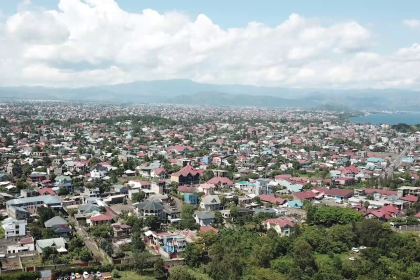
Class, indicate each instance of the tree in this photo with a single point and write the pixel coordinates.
(115, 273)
(63, 191)
(218, 218)
(159, 271)
(44, 214)
(138, 197)
(152, 222)
(85, 255)
(48, 252)
(303, 257)
(173, 186)
(308, 186)
(181, 273)
(93, 161)
(187, 218)
(9, 141)
(26, 170)
(109, 249)
(137, 243)
(366, 204)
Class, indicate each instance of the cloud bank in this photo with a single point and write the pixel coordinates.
(95, 42)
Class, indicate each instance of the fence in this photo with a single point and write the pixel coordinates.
(22, 254)
(407, 228)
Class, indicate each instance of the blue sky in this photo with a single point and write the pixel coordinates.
(338, 39)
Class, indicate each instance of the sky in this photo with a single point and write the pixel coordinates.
(301, 43)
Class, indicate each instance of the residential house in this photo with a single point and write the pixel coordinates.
(63, 231)
(17, 207)
(188, 175)
(120, 189)
(98, 172)
(28, 193)
(91, 192)
(262, 186)
(174, 245)
(190, 198)
(150, 208)
(206, 188)
(282, 226)
(159, 187)
(210, 202)
(99, 220)
(57, 243)
(220, 181)
(14, 228)
(204, 218)
(121, 230)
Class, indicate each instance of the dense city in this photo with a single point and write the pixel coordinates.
(108, 191)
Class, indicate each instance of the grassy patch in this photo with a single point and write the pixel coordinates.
(131, 275)
(37, 261)
(2, 232)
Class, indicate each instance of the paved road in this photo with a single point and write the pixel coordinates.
(389, 171)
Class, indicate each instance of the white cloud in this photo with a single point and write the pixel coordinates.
(412, 23)
(94, 42)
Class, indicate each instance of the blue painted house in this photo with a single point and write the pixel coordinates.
(190, 198)
(206, 160)
(174, 244)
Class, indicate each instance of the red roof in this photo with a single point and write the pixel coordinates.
(46, 191)
(221, 180)
(410, 198)
(159, 170)
(283, 176)
(26, 240)
(185, 189)
(272, 199)
(188, 169)
(305, 195)
(390, 209)
(338, 192)
(182, 148)
(207, 228)
(282, 222)
(101, 218)
(371, 191)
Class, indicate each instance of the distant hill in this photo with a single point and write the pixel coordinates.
(189, 92)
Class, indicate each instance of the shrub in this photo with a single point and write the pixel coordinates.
(115, 273)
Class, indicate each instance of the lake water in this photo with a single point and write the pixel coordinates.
(410, 119)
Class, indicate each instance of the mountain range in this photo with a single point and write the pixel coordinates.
(189, 92)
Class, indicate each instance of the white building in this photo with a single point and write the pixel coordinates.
(14, 228)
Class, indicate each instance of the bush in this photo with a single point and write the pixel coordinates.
(30, 275)
(115, 273)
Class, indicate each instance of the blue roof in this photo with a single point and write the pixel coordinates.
(408, 159)
(373, 159)
(1, 175)
(295, 203)
(295, 188)
(46, 199)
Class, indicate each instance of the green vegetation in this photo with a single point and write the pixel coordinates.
(131, 275)
(405, 128)
(318, 250)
